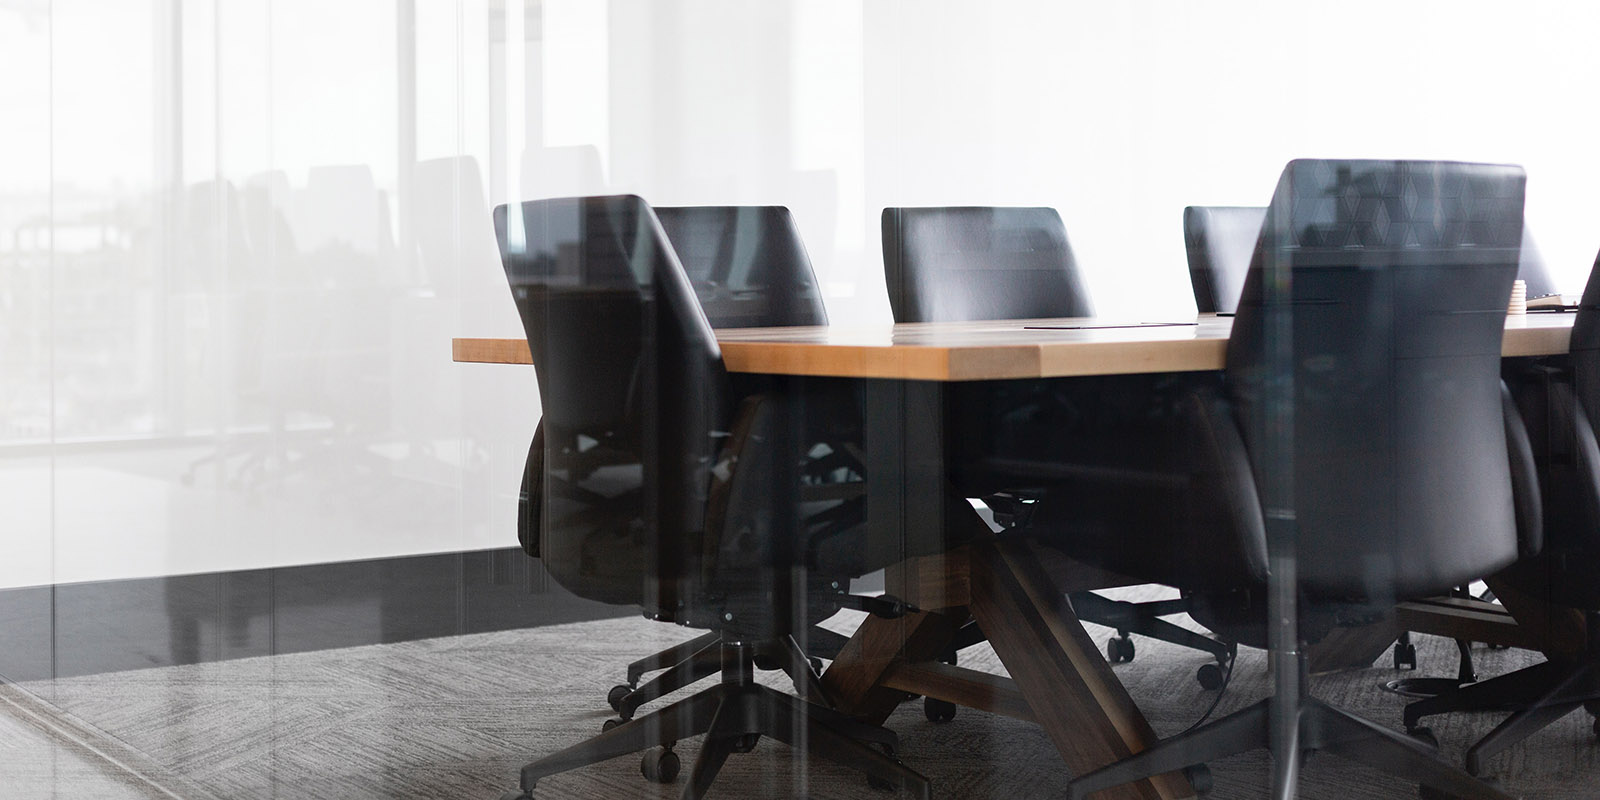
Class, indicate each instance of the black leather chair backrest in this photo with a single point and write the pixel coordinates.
(972, 263)
(1220, 240)
(1399, 276)
(625, 358)
(748, 265)
(1532, 269)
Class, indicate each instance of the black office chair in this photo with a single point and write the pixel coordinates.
(1393, 453)
(748, 267)
(694, 528)
(1219, 240)
(1531, 268)
(985, 263)
(979, 263)
(1560, 402)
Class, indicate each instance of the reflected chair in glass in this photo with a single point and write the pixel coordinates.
(1559, 401)
(1219, 241)
(691, 517)
(1369, 404)
(1532, 270)
(989, 263)
(749, 268)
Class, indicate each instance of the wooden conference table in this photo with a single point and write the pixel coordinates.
(1014, 592)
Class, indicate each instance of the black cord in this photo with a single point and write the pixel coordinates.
(1227, 677)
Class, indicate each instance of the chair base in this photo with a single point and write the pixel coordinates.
(1541, 694)
(1321, 727)
(699, 658)
(733, 715)
(671, 656)
(1145, 619)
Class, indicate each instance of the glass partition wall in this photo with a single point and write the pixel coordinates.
(262, 531)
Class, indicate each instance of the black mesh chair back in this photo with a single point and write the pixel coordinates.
(1399, 274)
(630, 373)
(1220, 241)
(748, 265)
(974, 263)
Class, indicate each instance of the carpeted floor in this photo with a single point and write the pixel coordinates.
(456, 717)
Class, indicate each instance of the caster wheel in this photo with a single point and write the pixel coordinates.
(617, 694)
(517, 795)
(816, 665)
(609, 724)
(747, 743)
(1119, 650)
(1209, 676)
(660, 766)
(765, 662)
(1405, 656)
(1424, 735)
(938, 710)
(1199, 777)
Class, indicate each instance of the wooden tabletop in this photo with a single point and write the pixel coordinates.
(966, 351)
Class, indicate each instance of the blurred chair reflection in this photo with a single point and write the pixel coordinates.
(1397, 448)
(1220, 240)
(748, 268)
(1561, 405)
(685, 517)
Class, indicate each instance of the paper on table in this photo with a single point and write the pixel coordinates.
(1097, 327)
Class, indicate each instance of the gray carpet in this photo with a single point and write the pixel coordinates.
(35, 765)
(456, 717)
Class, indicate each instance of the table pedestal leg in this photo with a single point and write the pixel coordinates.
(1073, 692)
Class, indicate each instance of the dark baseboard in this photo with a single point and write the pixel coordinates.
(106, 626)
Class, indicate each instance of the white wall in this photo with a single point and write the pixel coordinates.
(217, 241)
